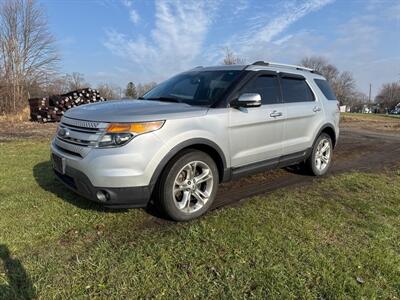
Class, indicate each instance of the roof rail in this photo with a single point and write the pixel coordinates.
(273, 64)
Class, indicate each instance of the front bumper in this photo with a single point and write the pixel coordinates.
(123, 174)
(125, 197)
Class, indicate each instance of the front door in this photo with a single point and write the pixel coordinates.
(256, 133)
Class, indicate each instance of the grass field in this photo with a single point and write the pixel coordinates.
(336, 238)
(369, 117)
(378, 123)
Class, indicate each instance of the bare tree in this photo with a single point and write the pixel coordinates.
(231, 58)
(109, 91)
(27, 51)
(144, 88)
(75, 81)
(55, 85)
(357, 102)
(342, 83)
(321, 65)
(344, 86)
(389, 96)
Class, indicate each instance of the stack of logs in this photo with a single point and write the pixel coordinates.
(52, 108)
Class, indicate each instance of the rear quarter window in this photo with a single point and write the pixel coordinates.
(296, 90)
(326, 89)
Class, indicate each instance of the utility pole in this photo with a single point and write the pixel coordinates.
(369, 95)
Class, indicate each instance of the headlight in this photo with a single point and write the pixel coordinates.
(119, 134)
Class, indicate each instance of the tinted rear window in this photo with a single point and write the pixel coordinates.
(325, 89)
(296, 90)
(267, 87)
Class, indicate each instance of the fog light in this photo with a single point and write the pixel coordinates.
(102, 196)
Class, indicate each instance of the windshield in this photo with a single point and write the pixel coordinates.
(194, 88)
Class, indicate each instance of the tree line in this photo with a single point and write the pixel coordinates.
(29, 64)
(29, 60)
(344, 86)
(133, 92)
(76, 81)
(342, 83)
(27, 52)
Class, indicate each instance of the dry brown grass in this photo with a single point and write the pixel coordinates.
(22, 116)
(371, 122)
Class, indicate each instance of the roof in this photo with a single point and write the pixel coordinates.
(222, 68)
(260, 65)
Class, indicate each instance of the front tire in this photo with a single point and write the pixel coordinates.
(188, 186)
(320, 159)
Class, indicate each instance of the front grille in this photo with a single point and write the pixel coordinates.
(73, 153)
(78, 136)
(81, 123)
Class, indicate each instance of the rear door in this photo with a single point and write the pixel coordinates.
(304, 113)
(256, 133)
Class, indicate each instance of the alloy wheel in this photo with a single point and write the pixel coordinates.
(323, 154)
(193, 186)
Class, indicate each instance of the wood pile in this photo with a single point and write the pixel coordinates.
(51, 109)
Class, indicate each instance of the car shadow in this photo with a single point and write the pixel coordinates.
(298, 170)
(19, 283)
(46, 179)
(154, 210)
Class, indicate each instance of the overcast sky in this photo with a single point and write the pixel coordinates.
(141, 40)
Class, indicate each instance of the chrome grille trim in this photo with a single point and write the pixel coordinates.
(80, 129)
(84, 124)
(79, 136)
(77, 142)
(82, 151)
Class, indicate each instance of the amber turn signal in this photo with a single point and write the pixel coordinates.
(135, 128)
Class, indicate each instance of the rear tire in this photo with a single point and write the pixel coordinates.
(320, 158)
(188, 185)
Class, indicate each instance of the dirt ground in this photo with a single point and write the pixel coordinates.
(366, 143)
(12, 130)
(357, 150)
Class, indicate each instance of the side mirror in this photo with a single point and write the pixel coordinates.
(247, 100)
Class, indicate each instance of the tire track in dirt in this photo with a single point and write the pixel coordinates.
(357, 150)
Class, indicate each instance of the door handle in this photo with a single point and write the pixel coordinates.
(275, 114)
(316, 109)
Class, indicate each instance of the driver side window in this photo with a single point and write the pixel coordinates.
(267, 86)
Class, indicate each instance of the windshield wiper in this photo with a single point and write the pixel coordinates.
(164, 98)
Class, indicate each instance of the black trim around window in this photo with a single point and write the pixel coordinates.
(246, 76)
(290, 75)
(326, 89)
(224, 101)
(296, 77)
(234, 93)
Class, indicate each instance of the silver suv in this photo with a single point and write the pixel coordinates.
(197, 129)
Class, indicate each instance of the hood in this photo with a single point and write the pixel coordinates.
(134, 111)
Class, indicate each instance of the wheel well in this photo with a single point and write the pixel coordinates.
(331, 132)
(215, 153)
(212, 153)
